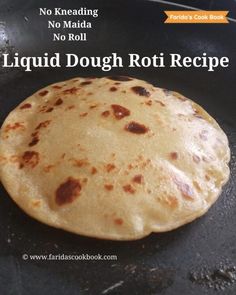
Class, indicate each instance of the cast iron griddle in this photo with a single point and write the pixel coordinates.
(198, 258)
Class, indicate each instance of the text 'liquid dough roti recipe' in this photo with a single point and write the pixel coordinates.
(113, 158)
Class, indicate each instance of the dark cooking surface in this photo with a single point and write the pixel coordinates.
(177, 262)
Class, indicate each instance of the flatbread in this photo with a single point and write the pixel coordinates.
(113, 158)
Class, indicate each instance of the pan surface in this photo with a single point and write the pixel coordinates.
(199, 258)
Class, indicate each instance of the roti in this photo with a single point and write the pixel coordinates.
(112, 158)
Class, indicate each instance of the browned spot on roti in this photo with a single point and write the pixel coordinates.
(72, 90)
(36, 203)
(83, 114)
(85, 83)
(30, 158)
(179, 96)
(26, 106)
(43, 124)
(137, 128)
(93, 170)
(110, 167)
(58, 102)
(93, 106)
(113, 88)
(148, 103)
(14, 126)
(56, 87)
(49, 110)
(184, 188)
(85, 180)
(160, 103)
(138, 178)
(171, 201)
(145, 163)
(119, 111)
(108, 187)
(34, 141)
(105, 114)
(35, 133)
(120, 78)
(81, 162)
(198, 116)
(174, 155)
(140, 91)
(130, 166)
(42, 108)
(68, 191)
(140, 158)
(118, 221)
(129, 189)
(196, 159)
(70, 107)
(48, 168)
(207, 177)
(197, 186)
(43, 93)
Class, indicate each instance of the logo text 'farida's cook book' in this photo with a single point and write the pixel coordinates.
(117, 147)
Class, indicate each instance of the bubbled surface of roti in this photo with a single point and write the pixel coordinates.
(113, 158)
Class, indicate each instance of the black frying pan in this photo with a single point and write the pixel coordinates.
(199, 258)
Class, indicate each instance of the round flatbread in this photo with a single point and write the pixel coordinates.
(113, 158)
